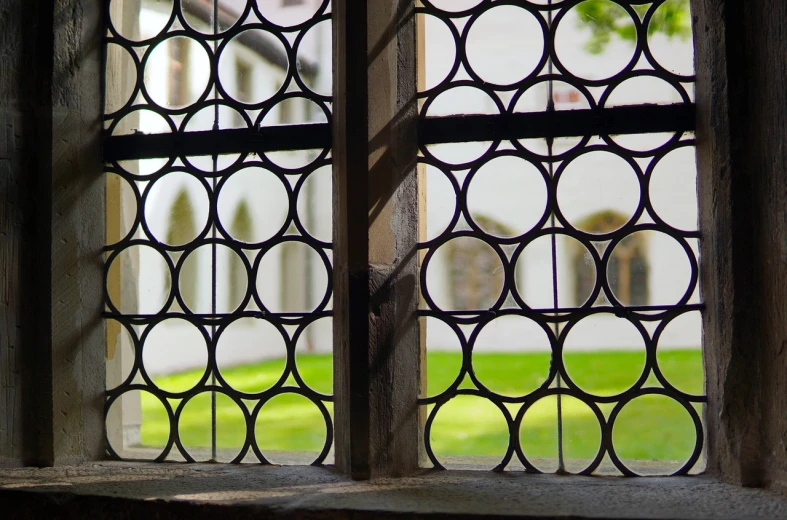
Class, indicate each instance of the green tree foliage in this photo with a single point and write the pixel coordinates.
(606, 19)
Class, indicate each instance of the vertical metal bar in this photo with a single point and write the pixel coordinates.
(560, 461)
(561, 468)
(308, 291)
(423, 412)
(213, 427)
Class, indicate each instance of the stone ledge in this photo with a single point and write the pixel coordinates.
(137, 490)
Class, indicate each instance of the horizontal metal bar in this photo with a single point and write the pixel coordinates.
(639, 119)
(563, 314)
(214, 317)
(566, 310)
(313, 136)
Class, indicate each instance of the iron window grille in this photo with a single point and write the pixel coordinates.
(209, 137)
(508, 131)
(178, 145)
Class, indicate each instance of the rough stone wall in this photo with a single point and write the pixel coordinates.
(76, 236)
(18, 135)
(51, 232)
(741, 50)
(764, 153)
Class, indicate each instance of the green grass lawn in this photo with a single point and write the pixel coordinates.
(649, 428)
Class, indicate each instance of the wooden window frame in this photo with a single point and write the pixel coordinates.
(60, 382)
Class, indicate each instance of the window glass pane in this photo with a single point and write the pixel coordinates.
(560, 242)
(219, 250)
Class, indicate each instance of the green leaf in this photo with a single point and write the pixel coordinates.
(607, 19)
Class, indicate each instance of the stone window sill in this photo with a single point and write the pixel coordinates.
(139, 490)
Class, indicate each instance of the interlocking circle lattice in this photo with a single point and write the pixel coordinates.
(214, 100)
(554, 121)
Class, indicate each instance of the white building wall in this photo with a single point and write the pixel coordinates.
(596, 183)
(175, 346)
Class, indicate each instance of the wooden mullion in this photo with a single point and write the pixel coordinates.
(376, 340)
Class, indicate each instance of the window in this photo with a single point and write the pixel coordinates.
(516, 148)
(242, 230)
(480, 287)
(243, 87)
(243, 75)
(178, 66)
(740, 218)
(294, 278)
(627, 266)
(223, 284)
(286, 112)
(627, 273)
(516, 104)
(567, 96)
(182, 230)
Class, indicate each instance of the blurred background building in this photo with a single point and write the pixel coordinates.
(598, 192)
